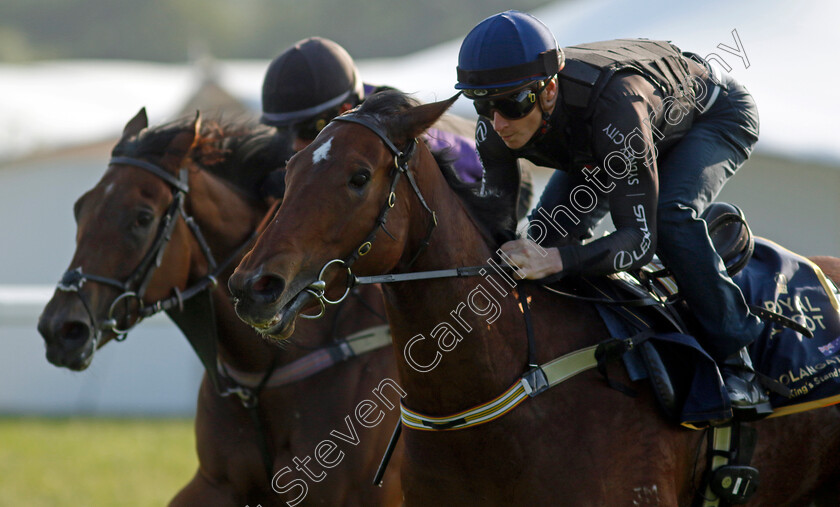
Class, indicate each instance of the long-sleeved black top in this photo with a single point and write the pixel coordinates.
(617, 161)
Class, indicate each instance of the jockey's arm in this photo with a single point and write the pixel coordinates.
(628, 179)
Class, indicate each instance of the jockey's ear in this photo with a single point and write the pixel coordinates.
(548, 97)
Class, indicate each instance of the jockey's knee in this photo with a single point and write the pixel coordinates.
(678, 228)
(675, 213)
(674, 216)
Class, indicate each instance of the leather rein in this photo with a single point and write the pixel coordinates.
(401, 161)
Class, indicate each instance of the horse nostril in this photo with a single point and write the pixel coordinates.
(268, 288)
(74, 331)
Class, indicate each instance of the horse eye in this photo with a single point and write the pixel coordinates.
(144, 218)
(360, 179)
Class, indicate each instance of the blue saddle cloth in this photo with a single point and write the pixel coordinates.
(700, 394)
(786, 283)
(778, 280)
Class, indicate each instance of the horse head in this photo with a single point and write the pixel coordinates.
(123, 227)
(348, 201)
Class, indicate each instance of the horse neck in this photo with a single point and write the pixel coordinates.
(226, 219)
(491, 355)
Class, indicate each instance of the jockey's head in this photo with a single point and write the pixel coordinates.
(508, 65)
(308, 85)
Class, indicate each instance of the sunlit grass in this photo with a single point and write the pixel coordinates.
(94, 462)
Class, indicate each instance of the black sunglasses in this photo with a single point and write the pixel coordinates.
(513, 107)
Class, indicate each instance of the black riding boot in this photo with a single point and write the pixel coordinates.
(749, 399)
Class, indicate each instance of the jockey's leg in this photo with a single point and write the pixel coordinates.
(690, 177)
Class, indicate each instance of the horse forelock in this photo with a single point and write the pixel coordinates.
(241, 152)
(151, 142)
(384, 110)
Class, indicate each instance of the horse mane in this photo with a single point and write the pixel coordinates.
(241, 152)
(384, 106)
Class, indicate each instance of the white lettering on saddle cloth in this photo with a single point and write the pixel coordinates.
(811, 376)
(798, 309)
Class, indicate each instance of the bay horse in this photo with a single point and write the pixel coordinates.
(365, 197)
(149, 229)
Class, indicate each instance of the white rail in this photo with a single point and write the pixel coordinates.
(154, 372)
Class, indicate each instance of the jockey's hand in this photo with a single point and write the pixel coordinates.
(532, 261)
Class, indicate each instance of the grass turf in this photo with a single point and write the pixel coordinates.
(92, 462)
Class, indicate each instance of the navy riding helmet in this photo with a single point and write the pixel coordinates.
(505, 51)
(309, 79)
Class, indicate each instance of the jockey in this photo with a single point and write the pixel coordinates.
(638, 129)
(315, 80)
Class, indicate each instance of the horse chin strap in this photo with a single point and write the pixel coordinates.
(401, 161)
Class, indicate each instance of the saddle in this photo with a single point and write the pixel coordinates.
(644, 311)
(797, 356)
(684, 379)
(651, 332)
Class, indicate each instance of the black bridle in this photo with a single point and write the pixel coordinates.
(401, 161)
(203, 338)
(134, 287)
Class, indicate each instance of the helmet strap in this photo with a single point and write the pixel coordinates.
(544, 125)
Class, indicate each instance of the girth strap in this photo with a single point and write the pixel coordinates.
(356, 344)
(559, 370)
(530, 384)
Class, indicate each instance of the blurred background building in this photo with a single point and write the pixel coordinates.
(59, 119)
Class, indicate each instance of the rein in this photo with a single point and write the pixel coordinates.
(401, 161)
(197, 322)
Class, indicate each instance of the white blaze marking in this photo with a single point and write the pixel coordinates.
(109, 188)
(322, 152)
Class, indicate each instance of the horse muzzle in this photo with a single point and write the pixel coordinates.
(262, 303)
(71, 343)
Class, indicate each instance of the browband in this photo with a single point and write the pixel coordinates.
(180, 184)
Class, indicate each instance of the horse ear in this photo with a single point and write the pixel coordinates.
(182, 143)
(418, 119)
(136, 124)
(197, 123)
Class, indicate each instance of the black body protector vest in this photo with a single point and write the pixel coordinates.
(589, 67)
